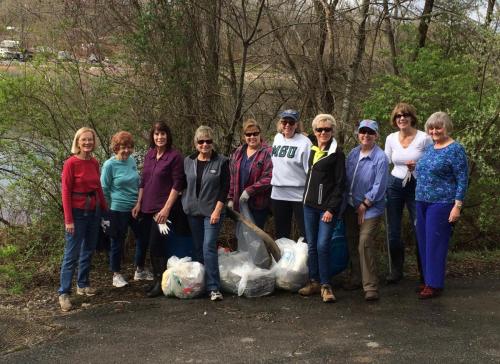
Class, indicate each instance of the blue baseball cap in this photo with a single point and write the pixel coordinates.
(370, 124)
(290, 114)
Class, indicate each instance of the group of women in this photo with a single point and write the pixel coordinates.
(301, 178)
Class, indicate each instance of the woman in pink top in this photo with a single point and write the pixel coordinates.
(83, 200)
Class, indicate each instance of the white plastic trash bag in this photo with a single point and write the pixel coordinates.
(291, 271)
(249, 242)
(183, 278)
(240, 276)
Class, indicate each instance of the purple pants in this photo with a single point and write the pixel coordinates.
(433, 235)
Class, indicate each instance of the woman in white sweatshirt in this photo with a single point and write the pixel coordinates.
(290, 159)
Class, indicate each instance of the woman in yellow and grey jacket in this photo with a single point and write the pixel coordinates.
(322, 204)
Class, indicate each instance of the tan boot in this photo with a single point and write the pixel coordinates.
(327, 293)
(64, 302)
(312, 287)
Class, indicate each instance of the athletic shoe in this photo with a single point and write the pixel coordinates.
(119, 281)
(143, 275)
(64, 302)
(216, 296)
(312, 287)
(327, 293)
(86, 291)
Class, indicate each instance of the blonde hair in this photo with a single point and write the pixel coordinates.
(203, 131)
(75, 149)
(323, 117)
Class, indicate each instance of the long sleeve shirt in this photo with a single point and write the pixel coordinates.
(80, 177)
(120, 183)
(442, 174)
(366, 178)
(258, 183)
(159, 177)
(290, 159)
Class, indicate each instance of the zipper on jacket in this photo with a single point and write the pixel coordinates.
(320, 194)
(308, 183)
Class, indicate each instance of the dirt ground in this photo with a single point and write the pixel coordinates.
(32, 324)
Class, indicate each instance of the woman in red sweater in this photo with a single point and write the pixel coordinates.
(83, 200)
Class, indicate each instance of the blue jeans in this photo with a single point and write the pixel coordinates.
(205, 247)
(79, 249)
(119, 223)
(397, 197)
(434, 232)
(319, 237)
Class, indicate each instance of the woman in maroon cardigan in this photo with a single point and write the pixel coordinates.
(251, 171)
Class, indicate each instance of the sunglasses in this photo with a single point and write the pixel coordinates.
(287, 121)
(399, 116)
(255, 133)
(326, 130)
(208, 141)
(367, 131)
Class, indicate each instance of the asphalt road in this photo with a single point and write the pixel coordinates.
(462, 326)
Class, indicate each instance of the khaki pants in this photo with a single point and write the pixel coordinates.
(360, 239)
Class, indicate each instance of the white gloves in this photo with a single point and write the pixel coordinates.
(105, 225)
(164, 229)
(230, 204)
(244, 197)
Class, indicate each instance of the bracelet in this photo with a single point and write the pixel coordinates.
(366, 205)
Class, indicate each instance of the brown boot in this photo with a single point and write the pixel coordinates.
(312, 287)
(327, 293)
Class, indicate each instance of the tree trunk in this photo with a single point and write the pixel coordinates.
(423, 27)
(354, 69)
(390, 37)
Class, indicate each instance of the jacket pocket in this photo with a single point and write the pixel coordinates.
(320, 194)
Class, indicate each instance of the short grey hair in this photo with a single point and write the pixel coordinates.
(203, 131)
(439, 119)
(323, 117)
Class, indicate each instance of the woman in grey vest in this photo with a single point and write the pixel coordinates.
(207, 175)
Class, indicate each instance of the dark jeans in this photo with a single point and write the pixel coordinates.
(260, 217)
(283, 212)
(79, 249)
(152, 237)
(319, 237)
(397, 197)
(205, 247)
(119, 223)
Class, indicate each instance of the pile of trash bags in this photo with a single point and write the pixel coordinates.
(251, 271)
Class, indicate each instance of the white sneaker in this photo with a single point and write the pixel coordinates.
(64, 302)
(216, 296)
(143, 275)
(119, 281)
(86, 291)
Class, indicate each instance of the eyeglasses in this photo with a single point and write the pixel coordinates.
(208, 141)
(367, 131)
(326, 130)
(255, 133)
(399, 116)
(290, 122)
